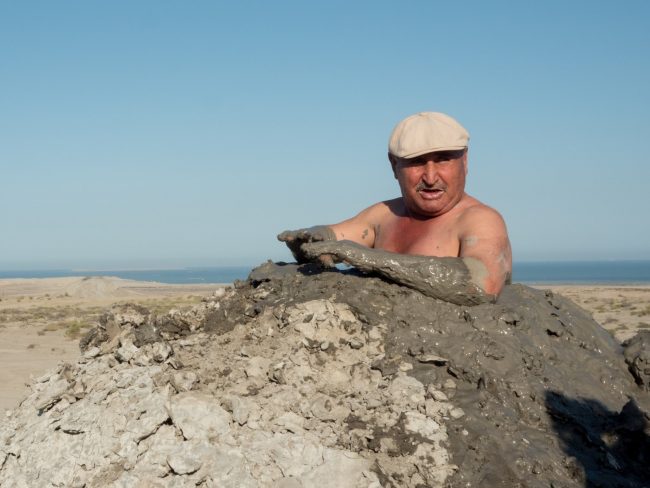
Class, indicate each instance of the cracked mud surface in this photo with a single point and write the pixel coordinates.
(301, 378)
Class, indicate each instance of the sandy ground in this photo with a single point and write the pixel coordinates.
(622, 310)
(41, 320)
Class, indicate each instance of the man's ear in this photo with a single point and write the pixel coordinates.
(465, 160)
(393, 164)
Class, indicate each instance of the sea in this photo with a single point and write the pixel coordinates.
(542, 273)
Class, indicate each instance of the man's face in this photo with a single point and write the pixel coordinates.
(431, 184)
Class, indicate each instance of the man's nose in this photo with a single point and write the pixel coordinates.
(430, 173)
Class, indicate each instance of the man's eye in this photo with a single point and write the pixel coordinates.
(413, 162)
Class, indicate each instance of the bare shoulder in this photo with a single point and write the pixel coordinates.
(480, 218)
(381, 209)
(374, 214)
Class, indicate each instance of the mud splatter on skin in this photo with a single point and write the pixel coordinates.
(503, 263)
(470, 241)
(364, 234)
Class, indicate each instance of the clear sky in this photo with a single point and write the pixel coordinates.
(160, 133)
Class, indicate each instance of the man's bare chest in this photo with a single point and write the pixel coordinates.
(422, 237)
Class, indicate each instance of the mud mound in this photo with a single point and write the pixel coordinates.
(301, 378)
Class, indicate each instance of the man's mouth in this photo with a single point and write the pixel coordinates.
(430, 192)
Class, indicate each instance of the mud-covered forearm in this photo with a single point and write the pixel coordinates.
(456, 280)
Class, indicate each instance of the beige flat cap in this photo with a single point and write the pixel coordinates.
(426, 132)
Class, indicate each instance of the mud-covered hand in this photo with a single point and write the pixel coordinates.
(295, 239)
(347, 252)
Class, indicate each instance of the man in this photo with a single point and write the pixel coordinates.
(435, 237)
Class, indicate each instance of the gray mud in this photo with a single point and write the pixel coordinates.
(455, 280)
(300, 377)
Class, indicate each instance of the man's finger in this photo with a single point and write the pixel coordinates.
(327, 260)
(315, 249)
(286, 236)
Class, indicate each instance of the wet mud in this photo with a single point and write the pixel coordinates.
(302, 377)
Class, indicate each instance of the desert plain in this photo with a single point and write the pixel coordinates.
(41, 320)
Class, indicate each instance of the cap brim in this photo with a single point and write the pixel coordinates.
(430, 150)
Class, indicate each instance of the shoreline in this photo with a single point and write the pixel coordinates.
(194, 276)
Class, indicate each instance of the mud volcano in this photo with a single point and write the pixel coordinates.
(304, 378)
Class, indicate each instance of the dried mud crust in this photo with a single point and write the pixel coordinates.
(300, 378)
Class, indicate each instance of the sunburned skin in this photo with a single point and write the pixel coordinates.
(456, 280)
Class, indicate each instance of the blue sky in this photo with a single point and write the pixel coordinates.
(157, 134)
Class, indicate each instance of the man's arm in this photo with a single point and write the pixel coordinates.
(455, 280)
(359, 229)
(476, 276)
(362, 227)
(483, 236)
